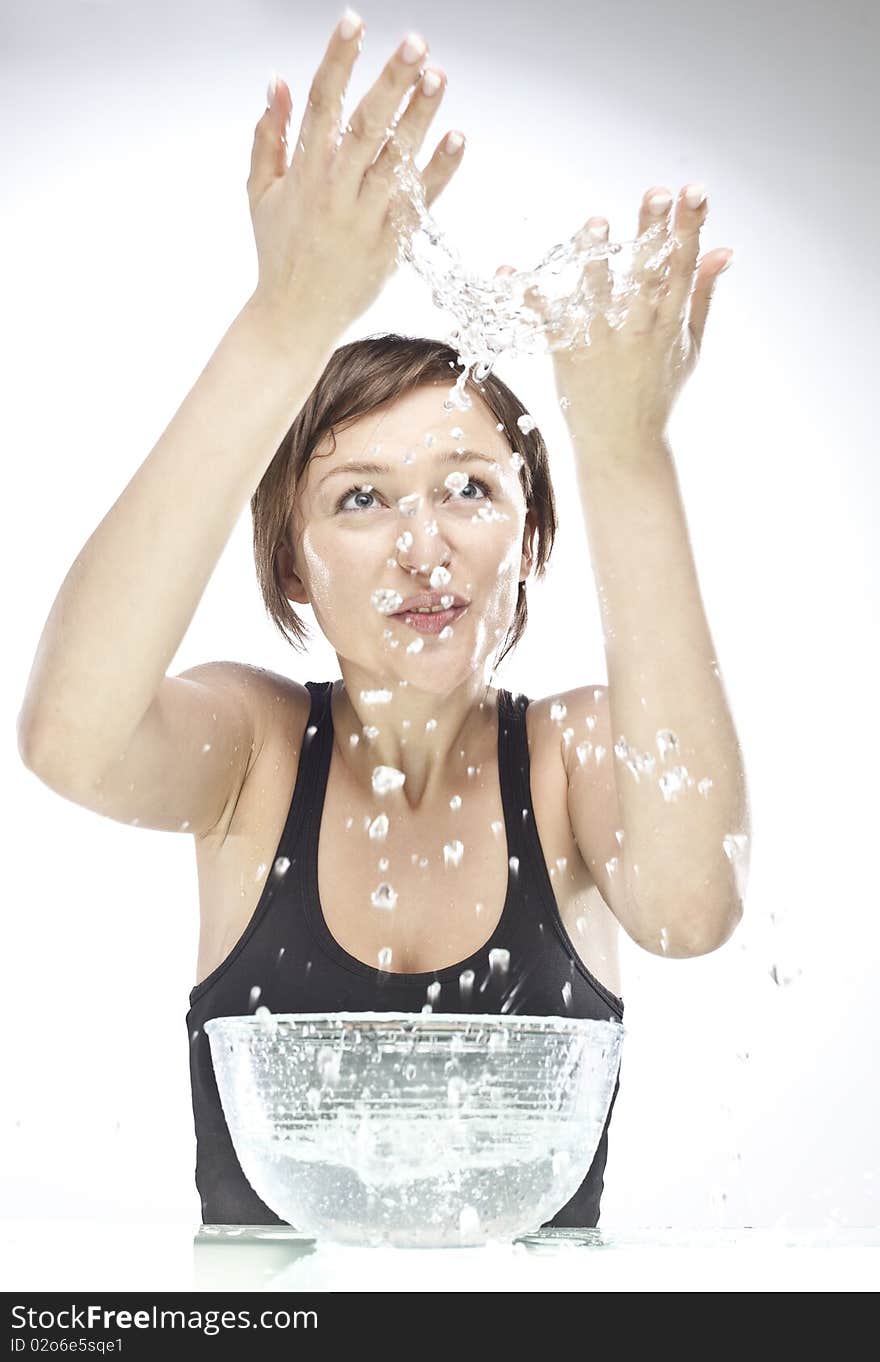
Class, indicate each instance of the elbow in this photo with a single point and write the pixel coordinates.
(723, 929)
(684, 934)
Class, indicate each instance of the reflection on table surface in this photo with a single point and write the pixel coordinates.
(179, 1255)
(279, 1258)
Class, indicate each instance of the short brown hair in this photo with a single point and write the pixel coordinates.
(359, 377)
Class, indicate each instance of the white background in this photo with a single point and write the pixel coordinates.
(127, 250)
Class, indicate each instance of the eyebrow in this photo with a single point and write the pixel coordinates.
(451, 456)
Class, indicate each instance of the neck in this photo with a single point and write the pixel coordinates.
(431, 738)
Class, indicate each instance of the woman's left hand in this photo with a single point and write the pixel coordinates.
(622, 386)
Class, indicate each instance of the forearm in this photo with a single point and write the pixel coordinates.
(685, 817)
(129, 597)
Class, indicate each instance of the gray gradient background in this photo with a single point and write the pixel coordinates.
(126, 131)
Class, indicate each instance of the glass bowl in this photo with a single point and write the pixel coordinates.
(414, 1129)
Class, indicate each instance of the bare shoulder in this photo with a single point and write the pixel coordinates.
(275, 704)
(261, 690)
(561, 722)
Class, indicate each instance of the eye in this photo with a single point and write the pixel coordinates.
(368, 492)
(477, 482)
(353, 491)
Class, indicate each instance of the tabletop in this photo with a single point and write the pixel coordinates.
(90, 1255)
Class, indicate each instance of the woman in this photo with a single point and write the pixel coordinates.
(405, 836)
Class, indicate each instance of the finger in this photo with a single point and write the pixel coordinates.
(371, 120)
(322, 120)
(443, 165)
(596, 275)
(650, 269)
(408, 136)
(269, 151)
(689, 218)
(704, 290)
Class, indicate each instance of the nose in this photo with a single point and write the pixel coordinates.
(420, 546)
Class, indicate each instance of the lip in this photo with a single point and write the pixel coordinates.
(430, 598)
(431, 624)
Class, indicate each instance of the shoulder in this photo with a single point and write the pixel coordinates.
(267, 696)
(559, 722)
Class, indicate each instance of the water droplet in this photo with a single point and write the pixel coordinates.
(254, 995)
(281, 866)
(384, 896)
(452, 853)
(673, 782)
(379, 827)
(267, 1021)
(384, 957)
(666, 742)
(376, 697)
(386, 601)
(526, 423)
(387, 778)
(407, 505)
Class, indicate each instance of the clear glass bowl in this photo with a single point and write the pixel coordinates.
(414, 1129)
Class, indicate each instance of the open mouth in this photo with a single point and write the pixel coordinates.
(431, 623)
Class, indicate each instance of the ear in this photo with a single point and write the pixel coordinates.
(291, 583)
(528, 545)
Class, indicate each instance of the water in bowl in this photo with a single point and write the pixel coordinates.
(415, 1129)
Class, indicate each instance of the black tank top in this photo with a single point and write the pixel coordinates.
(288, 953)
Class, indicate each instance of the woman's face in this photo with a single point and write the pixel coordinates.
(358, 533)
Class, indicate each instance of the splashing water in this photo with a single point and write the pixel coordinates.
(494, 316)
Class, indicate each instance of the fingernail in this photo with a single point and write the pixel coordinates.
(270, 89)
(658, 203)
(349, 24)
(431, 83)
(726, 265)
(454, 142)
(695, 195)
(413, 49)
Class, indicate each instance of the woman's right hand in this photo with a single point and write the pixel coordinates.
(325, 240)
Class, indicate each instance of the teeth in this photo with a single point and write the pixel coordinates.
(428, 610)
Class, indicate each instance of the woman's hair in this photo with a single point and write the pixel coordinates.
(358, 378)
